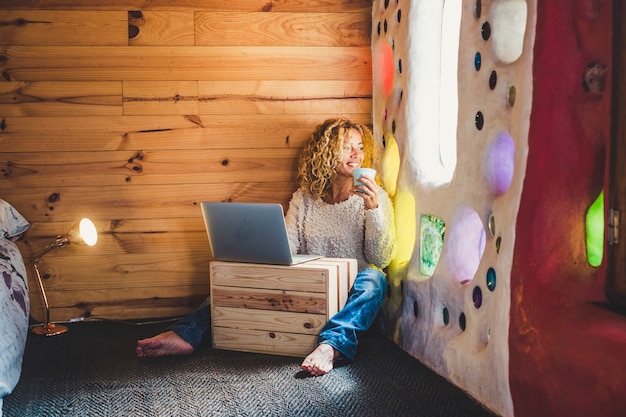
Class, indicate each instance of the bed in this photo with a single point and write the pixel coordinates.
(14, 300)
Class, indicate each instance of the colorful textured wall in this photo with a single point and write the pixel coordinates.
(493, 120)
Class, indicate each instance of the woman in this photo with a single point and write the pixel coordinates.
(327, 216)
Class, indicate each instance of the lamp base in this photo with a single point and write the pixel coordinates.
(49, 329)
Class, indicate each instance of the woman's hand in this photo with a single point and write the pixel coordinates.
(368, 192)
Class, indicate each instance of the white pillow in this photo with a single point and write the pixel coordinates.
(12, 223)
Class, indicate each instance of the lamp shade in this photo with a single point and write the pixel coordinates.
(82, 233)
(88, 232)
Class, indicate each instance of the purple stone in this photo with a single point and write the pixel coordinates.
(500, 163)
(477, 297)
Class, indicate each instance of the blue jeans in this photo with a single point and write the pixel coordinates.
(342, 330)
(193, 327)
(364, 302)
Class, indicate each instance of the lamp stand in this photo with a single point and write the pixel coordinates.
(47, 328)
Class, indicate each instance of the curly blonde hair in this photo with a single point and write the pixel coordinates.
(324, 152)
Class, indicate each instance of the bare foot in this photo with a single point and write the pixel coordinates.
(321, 360)
(163, 344)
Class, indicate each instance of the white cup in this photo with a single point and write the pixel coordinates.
(359, 172)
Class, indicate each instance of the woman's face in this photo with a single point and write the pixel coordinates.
(353, 153)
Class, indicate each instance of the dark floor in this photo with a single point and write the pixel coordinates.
(93, 371)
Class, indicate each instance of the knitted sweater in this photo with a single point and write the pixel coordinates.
(342, 230)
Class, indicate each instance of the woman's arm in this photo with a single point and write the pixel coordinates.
(293, 220)
(380, 232)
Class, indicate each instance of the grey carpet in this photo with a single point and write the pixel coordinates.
(93, 371)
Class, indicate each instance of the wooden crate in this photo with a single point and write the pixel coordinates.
(276, 309)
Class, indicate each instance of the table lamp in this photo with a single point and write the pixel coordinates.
(82, 233)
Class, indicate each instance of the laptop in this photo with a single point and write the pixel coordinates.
(249, 232)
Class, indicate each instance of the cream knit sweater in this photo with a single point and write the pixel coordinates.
(342, 230)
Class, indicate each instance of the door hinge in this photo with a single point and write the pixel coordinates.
(613, 227)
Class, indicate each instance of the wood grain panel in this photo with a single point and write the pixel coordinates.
(143, 236)
(123, 227)
(213, 5)
(245, 340)
(285, 97)
(46, 98)
(37, 169)
(113, 242)
(160, 97)
(47, 134)
(110, 304)
(346, 273)
(160, 28)
(75, 271)
(305, 277)
(112, 203)
(254, 298)
(39, 27)
(160, 63)
(134, 133)
(304, 323)
(131, 310)
(283, 29)
(246, 105)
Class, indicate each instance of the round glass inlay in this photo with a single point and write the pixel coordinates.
(510, 96)
(493, 80)
(491, 279)
(480, 121)
(486, 31)
(477, 297)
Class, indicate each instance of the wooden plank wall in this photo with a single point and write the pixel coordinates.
(133, 112)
